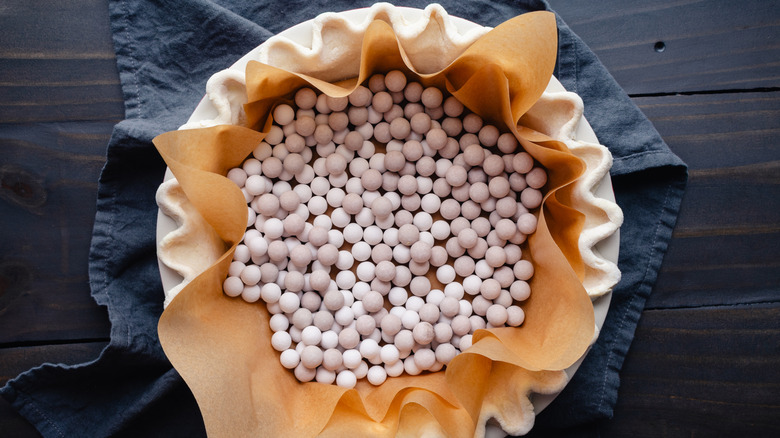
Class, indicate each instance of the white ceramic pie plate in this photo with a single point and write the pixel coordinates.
(302, 34)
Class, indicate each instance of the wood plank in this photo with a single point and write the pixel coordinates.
(46, 48)
(65, 58)
(49, 187)
(57, 102)
(48, 28)
(704, 371)
(718, 269)
(673, 357)
(718, 130)
(57, 62)
(709, 44)
(740, 200)
(724, 247)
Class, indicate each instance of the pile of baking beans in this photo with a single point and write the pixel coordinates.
(383, 229)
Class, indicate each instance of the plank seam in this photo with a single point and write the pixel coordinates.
(45, 343)
(714, 306)
(700, 92)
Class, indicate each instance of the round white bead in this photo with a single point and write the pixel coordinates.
(376, 375)
(289, 359)
(281, 341)
(351, 358)
(346, 379)
(445, 274)
(389, 354)
(397, 296)
(369, 348)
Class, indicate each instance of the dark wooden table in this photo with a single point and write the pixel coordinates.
(706, 357)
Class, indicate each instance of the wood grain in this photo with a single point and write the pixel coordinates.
(57, 62)
(725, 243)
(709, 44)
(54, 70)
(711, 131)
(718, 269)
(709, 371)
(48, 191)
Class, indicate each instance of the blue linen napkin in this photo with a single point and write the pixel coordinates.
(166, 51)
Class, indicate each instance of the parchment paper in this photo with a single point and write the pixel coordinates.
(221, 345)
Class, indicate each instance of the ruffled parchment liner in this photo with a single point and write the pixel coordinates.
(221, 347)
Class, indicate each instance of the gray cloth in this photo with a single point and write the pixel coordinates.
(165, 53)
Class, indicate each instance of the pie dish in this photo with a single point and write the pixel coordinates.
(187, 245)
